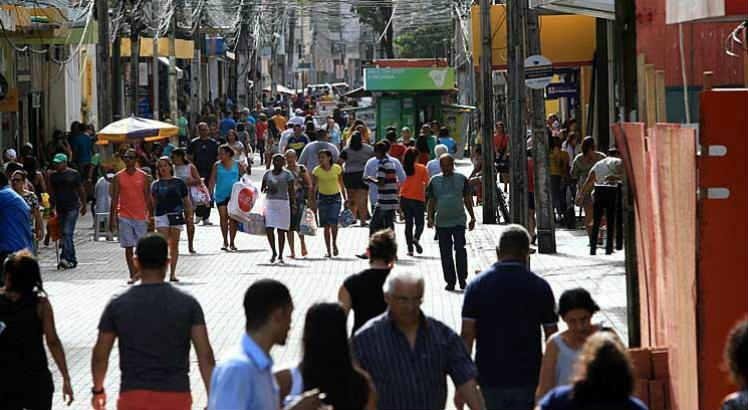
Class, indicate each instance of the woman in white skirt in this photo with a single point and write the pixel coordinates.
(277, 184)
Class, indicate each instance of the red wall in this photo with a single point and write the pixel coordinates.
(703, 44)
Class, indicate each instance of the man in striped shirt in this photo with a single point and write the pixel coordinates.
(388, 198)
(409, 354)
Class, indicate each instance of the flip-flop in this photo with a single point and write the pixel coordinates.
(233, 248)
(225, 248)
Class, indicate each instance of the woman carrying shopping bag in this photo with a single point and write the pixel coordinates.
(280, 202)
(302, 184)
(226, 171)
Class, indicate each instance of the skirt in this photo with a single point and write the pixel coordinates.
(277, 214)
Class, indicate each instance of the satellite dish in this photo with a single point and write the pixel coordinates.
(3, 87)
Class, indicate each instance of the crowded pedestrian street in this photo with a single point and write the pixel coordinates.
(219, 279)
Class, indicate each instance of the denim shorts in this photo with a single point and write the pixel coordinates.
(328, 207)
(130, 231)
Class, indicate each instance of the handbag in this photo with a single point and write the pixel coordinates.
(176, 219)
(199, 195)
(346, 219)
(308, 224)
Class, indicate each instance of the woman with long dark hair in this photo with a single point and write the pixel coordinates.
(353, 158)
(28, 319)
(173, 209)
(327, 364)
(188, 173)
(603, 379)
(413, 199)
(422, 145)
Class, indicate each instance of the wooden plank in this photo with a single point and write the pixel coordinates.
(651, 94)
(660, 95)
(641, 93)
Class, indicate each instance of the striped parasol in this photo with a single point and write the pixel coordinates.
(136, 129)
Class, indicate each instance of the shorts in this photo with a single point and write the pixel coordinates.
(162, 221)
(328, 207)
(354, 180)
(223, 203)
(130, 231)
(531, 200)
(149, 399)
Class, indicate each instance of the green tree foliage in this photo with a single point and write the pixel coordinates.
(377, 17)
(429, 41)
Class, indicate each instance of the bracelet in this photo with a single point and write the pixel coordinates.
(97, 392)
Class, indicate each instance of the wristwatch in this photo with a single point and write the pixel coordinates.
(97, 392)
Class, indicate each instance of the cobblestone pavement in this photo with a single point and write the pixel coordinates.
(219, 279)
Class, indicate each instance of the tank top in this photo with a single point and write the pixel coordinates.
(21, 345)
(131, 195)
(564, 361)
(182, 172)
(225, 179)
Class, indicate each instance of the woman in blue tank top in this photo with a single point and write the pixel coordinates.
(225, 173)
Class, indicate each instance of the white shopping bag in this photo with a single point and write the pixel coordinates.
(244, 196)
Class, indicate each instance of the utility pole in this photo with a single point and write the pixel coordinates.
(134, 60)
(515, 19)
(544, 205)
(195, 74)
(173, 106)
(155, 9)
(489, 172)
(104, 77)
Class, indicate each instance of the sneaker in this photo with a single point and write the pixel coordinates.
(449, 287)
(418, 246)
(64, 264)
(463, 284)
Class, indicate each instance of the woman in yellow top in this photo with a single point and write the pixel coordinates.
(328, 186)
(559, 170)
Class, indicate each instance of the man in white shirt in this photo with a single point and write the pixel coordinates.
(606, 176)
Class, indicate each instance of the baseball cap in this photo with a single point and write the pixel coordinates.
(59, 158)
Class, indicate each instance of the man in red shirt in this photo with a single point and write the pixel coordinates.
(397, 150)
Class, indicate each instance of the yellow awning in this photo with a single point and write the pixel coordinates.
(184, 48)
(566, 40)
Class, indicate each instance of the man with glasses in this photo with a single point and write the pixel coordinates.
(131, 208)
(408, 354)
(67, 196)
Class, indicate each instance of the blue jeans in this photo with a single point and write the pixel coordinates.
(511, 398)
(67, 226)
(448, 238)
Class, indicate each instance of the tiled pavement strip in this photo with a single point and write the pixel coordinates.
(219, 279)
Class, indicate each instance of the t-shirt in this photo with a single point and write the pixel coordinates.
(204, 154)
(449, 192)
(280, 121)
(226, 124)
(607, 167)
(355, 161)
(414, 186)
(434, 167)
(397, 150)
(367, 298)
(580, 168)
(387, 192)
(327, 180)
(561, 398)
(82, 146)
(15, 222)
(296, 142)
(182, 124)
(309, 156)
(509, 304)
(169, 194)
(260, 129)
(153, 323)
(277, 185)
(450, 143)
(500, 142)
(66, 185)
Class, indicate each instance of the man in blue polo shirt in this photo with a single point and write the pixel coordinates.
(15, 222)
(503, 311)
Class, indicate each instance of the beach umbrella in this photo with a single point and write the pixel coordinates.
(137, 129)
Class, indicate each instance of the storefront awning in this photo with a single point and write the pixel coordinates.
(184, 48)
(604, 9)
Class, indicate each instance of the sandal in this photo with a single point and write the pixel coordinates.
(233, 248)
(225, 248)
(334, 251)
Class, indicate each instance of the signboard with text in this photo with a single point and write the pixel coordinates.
(409, 79)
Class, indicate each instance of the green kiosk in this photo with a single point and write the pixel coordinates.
(408, 97)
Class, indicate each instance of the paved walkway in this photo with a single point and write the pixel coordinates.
(219, 280)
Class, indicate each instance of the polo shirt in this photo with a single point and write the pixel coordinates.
(15, 222)
(407, 378)
(245, 380)
(509, 305)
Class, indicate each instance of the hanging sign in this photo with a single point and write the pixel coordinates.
(538, 72)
